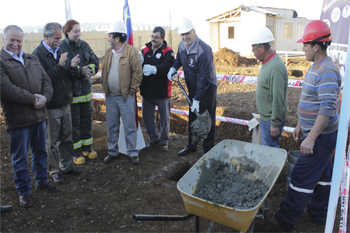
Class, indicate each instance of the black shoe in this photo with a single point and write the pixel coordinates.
(74, 171)
(307, 216)
(186, 151)
(6, 209)
(25, 201)
(164, 147)
(58, 178)
(271, 219)
(135, 160)
(152, 145)
(109, 159)
(48, 187)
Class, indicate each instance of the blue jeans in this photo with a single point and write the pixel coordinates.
(266, 139)
(21, 139)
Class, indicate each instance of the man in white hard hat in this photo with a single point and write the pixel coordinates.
(271, 90)
(121, 78)
(196, 59)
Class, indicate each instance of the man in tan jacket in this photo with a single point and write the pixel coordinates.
(121, 78)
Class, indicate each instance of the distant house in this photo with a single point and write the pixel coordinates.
(233, 28)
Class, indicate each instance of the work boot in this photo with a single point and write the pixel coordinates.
(164, 147)
(152, 145)
(79, 160)
(25, 201)
(90, 155)
(187, 150)
(48, 187)
(6, 209)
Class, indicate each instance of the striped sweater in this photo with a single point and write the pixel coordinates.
(320, 96)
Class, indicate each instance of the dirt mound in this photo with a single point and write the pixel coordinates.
(226, 57)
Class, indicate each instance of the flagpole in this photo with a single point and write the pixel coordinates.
(68, 10)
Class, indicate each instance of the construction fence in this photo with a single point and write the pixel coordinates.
(98, 40)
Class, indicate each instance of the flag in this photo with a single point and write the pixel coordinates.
(68, 10)
(129, 40)
(127, 22)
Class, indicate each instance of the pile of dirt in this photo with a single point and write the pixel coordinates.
(227, 57)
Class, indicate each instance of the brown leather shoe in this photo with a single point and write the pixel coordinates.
(109, 159)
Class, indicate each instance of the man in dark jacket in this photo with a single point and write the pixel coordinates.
(25, 89)
(196, 59)
(156, 88)
(59, 128)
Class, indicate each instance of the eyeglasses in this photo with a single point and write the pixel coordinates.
(255, 48)
(155, 36)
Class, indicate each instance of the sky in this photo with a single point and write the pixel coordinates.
(149, 12)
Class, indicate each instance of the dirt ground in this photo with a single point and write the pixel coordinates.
(105, 197)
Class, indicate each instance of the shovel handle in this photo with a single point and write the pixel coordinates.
(183, 90)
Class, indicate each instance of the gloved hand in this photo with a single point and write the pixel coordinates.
(148, 70)
(40, 101)
(172, 74)
(142, 60)
(195, 106)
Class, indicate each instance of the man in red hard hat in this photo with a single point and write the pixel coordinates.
(308, 192)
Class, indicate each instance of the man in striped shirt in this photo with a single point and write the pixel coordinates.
(317, 127)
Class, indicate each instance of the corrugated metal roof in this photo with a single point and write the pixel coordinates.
(236, 11)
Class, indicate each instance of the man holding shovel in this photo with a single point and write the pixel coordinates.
(196, 59)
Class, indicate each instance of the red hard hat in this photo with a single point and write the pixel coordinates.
(316, 31)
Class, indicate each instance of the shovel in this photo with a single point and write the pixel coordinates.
(202, 125)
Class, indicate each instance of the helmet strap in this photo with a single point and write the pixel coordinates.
(320, 38)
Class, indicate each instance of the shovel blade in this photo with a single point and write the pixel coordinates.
(201, 126)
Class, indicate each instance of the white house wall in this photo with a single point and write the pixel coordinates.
(243, 32)
(288, 44)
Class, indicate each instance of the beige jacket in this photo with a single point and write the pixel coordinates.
(130, 70)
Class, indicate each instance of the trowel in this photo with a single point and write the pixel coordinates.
(202, 125)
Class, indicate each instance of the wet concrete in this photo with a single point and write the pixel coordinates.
(201, 127)
(231, 185)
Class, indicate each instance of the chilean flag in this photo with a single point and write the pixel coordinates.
(129, 40)
(127, 22)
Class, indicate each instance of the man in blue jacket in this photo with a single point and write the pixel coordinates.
(196, 59)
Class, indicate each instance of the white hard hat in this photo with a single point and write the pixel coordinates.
(261, 35)
(185, 26)
(117, 26)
